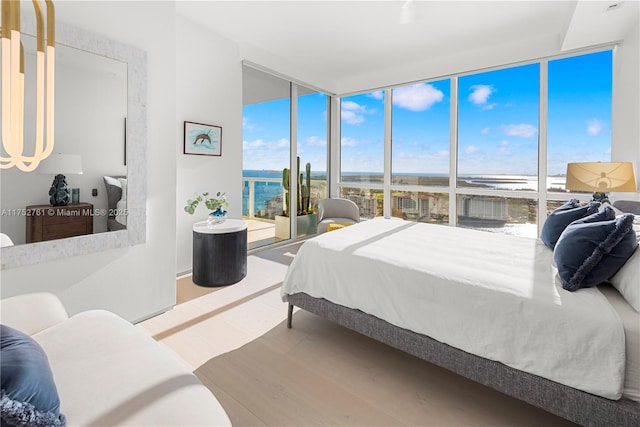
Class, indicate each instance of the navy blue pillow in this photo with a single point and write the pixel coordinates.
(606, 214)
(28, 395)
(589, 253)
(560, 218)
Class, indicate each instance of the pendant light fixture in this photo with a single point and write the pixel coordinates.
(13, 87)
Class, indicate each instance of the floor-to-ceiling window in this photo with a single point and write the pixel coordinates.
(362, 151)
(478, 150)
(420, 142)
(269, 201)
(579, 117)
(312, 151)
(498, 149)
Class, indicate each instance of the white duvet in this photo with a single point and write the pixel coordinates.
(489, 294)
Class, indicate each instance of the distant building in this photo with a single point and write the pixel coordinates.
(368, 205)
(491, 208)
(420, 206)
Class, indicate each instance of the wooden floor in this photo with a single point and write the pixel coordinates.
(319, 373)
(186, 290)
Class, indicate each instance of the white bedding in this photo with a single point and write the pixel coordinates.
(489, 294)
(631, 322)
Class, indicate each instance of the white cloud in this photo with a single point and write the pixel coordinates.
(351, 117)
(442, 153)
(247, 124)
(351, 112)
(353, 106)
(594, 127)
(485, 131)
(504, 149)
(490, 106)
(417, 97)
(316, 141)
(265, 145)
(480, 94)
(522, 130)
(471, 149)
(250, 145)
(378, 94)
(348, 142)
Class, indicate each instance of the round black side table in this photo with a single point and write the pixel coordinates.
(219, 252)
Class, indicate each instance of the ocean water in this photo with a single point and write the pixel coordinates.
(266, 190)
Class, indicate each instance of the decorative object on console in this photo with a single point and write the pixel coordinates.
(13, 79)
(216, 205)
(75, 196)
(601, 177)
(201, 139)
(60, 164)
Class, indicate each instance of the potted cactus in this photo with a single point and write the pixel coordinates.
(306, 219)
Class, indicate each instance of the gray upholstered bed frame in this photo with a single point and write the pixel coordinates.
(574, 405)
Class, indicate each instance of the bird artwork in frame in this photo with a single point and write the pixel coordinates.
(201, 139)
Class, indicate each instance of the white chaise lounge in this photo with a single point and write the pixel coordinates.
(109, 372)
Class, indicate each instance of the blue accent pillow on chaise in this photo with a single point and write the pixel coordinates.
(29, 396)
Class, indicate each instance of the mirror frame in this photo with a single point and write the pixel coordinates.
(135, 233)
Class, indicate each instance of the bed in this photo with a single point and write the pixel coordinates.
(394, 281)
(116, 187)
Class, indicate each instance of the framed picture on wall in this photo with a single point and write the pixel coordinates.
(201, 139)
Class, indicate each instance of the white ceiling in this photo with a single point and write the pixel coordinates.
(335, 42)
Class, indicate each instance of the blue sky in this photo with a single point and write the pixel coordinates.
(497, 123)
(266, 133)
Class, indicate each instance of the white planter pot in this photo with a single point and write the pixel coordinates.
(306, 225)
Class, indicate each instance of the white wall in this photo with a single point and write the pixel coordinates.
(626, 106)
(209, 88)
(138, 281)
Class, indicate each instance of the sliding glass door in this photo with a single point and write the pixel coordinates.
(284, 157)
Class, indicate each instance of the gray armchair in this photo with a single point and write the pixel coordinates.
(336, 210)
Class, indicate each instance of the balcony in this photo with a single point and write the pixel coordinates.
(262, 200)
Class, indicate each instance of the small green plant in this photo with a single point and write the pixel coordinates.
(212, 203)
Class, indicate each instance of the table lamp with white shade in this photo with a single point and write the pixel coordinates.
(59, 165)
(601, 177)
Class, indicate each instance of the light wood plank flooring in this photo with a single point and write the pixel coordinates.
(317, 373)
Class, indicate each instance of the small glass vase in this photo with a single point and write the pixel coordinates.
(216, 217)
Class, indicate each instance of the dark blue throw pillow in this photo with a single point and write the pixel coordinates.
(28, 396)
(606, 214)
(589, 253)
(560, 218)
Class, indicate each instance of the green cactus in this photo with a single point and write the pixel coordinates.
(299, 179)
(302, 198)
(285, 184)
(306, 195)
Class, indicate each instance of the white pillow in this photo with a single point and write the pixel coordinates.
(627, 280)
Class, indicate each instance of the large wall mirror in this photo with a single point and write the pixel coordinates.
(100, 115)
